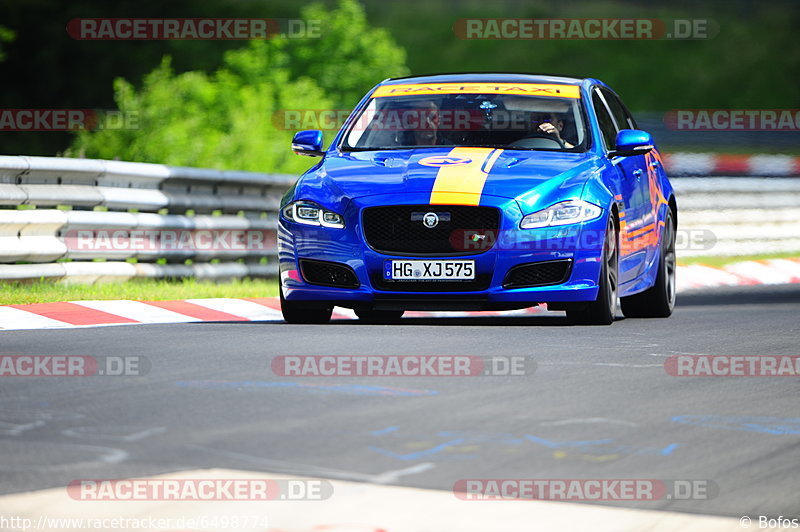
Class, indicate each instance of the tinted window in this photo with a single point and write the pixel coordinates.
(621, 114)
(607, 127)
(454, 118)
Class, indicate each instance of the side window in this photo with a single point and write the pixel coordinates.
(631, 120)
(620, 112)
(607, 127)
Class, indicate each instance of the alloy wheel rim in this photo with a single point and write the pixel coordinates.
(611, 267)
(670, 262)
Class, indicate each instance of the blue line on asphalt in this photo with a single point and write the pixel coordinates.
(763, 424)
(419, 454)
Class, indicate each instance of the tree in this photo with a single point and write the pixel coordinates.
(6, 35)
(349, 57)
(234, 118)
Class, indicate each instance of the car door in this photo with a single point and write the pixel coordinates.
(625, 188)
(646, 168)
(636, 217)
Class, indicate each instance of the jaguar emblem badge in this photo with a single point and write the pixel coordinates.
(430, 220)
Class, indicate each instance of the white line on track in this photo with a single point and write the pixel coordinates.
(389, 477)
(93, 432)
(281, 466)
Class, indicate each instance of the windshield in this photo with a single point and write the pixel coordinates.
(514, 116)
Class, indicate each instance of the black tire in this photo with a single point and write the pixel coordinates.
(379, 316)
(602, 310)
(295, 312)
(659, 300)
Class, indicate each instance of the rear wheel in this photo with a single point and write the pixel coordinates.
(379, 316)
(302, 312)
(602, 310)
(658, 301)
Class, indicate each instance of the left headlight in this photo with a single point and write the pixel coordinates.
(562, 213)
(310, 213)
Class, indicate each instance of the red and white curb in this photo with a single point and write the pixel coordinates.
(73, 314)
(756, 272)
(710, 164)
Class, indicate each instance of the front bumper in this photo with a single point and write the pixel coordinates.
(579, 243)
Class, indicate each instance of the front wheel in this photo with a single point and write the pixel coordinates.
(297, 312)
(602, 310)
(659, 300)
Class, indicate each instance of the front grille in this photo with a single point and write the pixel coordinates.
(328, 273)
(399, 229)
(481, 282)
(538, 274)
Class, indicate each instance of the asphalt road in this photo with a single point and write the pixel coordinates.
(599, 405)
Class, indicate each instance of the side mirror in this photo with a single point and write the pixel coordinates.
(632, 142)
(308, 142)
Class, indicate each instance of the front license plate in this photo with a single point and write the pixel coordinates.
(429, 270)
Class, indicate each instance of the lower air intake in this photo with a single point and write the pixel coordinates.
(538, 274)
(328, 273)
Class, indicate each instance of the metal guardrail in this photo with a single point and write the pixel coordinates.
(51, 207)
(711, 140)
(729, 165)
(47, 205)
(746, 216)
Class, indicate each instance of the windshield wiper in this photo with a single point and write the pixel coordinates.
(376, 148)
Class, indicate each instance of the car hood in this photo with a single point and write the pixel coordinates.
(514, 173)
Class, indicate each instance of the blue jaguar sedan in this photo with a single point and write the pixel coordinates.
(480, 192)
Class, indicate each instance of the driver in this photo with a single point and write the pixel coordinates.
(550, 124)
(426, 120)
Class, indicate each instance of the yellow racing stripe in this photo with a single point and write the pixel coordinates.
(462, 184)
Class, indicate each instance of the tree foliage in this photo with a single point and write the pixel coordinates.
(6, 35)
(233, 117)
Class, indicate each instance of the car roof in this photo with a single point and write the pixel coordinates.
(491, 77)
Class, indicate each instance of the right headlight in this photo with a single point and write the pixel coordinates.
(310, 213)
(562, 213)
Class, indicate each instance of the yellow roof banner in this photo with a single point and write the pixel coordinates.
(523, 89)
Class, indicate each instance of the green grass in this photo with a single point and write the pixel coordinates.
(43, 292)
(723, 261)
(150, 290)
